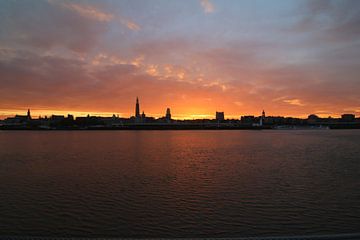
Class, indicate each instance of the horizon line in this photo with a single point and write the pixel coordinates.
(48, 113)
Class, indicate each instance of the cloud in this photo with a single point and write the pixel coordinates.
(152, 70)
(53, 82)
(129, 24)
(207, 6)
(86, 11)
(48, 26)
(330, 21)
(108, 83)
(248, 72)
(92, 12)
(296, 102)
(56, 25)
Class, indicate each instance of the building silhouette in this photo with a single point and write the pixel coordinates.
(262, 118)
(168, 115)
(139, 118)
(143, 116)
(28, 115)
(348, 117)
(219, 116)
(141, 121)
(312, 119)
(137, 109)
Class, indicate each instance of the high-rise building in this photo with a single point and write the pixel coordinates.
(137, 109)
(220, 116)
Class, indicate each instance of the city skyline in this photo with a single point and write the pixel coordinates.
(142, 121)
(291, 58)
(140, 112)
(139, 115)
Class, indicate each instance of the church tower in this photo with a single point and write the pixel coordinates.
(28, 115)
(168, 115)
(137, 109)
(262, 118)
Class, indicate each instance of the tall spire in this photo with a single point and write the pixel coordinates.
(28, 114)
(262, 118)
(137, 108)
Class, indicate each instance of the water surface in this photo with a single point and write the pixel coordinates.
(179, 183)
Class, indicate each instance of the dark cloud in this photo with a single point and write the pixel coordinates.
(330, 20)
(45, 25)
(30, 78)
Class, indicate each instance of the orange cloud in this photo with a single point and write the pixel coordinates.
(87, 11)
(129, 24)
(296, 102)
(96, 14)
(207, 6)
(152, 70)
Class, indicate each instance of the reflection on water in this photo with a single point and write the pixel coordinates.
(179, 183)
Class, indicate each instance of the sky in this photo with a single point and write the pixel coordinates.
(288, 57)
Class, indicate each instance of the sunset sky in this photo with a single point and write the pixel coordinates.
(289, 57)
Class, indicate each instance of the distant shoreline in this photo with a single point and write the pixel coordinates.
(138, 127)
(179, 127)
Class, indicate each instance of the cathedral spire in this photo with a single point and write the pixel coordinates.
(137, 108)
